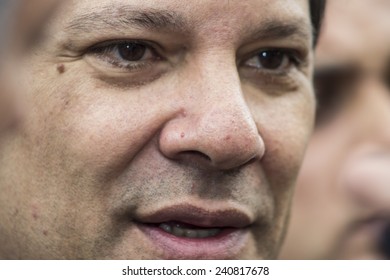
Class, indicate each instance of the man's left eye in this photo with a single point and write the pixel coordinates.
(130, 55)
(131, 51)
(271, 60)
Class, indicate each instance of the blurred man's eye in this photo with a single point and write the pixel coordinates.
(333, 87)
(387, 75)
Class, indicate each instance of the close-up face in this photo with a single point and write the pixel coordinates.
(341, 208)
(159, 130)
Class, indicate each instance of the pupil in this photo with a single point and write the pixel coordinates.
(271, 59)
(131, 51)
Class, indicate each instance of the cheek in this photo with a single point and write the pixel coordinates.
(103, 129)
(286, 126)
(285, 123)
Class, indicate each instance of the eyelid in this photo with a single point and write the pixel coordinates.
(111, 43)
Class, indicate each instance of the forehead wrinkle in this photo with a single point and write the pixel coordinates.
(124, 17)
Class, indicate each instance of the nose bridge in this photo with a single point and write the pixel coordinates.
(222, 107)
(225, 121)
(217, 121)
(222, 85)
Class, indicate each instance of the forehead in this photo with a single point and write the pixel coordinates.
(355, 32)
(199, 8)
(222, 17)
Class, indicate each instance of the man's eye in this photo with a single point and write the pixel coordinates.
(129, 55)
(334, 87)
(271, 60)
(387, 75)
(131, 51)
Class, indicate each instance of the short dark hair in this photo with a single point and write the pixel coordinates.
(317, 10)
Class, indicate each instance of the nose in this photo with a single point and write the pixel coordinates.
(366, 174)
(215, 127)
(374, 117)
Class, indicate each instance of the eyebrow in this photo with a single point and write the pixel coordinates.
(122, 18)
(159, 20)
(276, 29)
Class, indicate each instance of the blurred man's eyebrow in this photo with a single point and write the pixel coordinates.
(125, 17)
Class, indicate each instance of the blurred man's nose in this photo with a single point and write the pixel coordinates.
(374, 115)
(366, 174)
(215, 127)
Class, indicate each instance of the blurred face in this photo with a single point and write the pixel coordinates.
(342, 204)
(159, 129)
(20, 25)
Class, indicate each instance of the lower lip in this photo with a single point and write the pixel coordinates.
(226, 245)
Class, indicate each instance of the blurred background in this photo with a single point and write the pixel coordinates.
(20, 24)
(341, 208)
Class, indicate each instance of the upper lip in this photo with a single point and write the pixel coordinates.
(198, 216)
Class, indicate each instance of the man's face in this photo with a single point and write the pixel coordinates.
(159, 129)
(341, 208)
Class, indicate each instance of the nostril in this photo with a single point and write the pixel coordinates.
(193, 153)
(252, 160)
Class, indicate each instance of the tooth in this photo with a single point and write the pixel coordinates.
(190, 233)
(166, 228)
(202, 233)
(214, 232)
(181, 231)
(178, 231)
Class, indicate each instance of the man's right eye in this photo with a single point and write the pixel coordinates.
(130, 51)
(387, 75)
(126, 55)
(272, 60)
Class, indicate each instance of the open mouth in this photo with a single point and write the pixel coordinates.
(190, 232)
(179, 229)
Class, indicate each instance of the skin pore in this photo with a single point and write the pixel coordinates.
(151, 115)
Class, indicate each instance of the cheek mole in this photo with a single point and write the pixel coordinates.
(61, 68)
